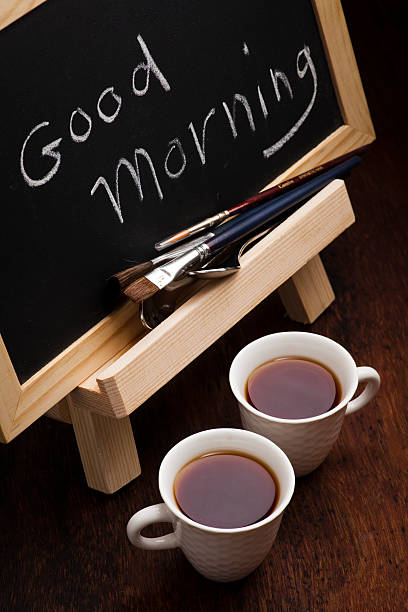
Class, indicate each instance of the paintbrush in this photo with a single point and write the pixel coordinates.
(228, 233)
(123, 278)
(267, 194)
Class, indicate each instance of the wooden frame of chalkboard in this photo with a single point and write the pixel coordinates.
(22, 404)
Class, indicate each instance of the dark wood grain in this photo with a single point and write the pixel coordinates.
(342, 544)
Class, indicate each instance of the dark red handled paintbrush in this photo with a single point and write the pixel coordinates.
(263, 196)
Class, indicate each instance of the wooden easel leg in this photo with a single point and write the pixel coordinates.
(107, 448)
(60, 412)
(307, 293)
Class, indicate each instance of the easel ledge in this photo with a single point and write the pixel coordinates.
(117, 390)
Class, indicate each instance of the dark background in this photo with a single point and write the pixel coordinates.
(342, 543)
(59, 243)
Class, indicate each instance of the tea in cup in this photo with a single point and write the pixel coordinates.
(224, 528)
(295, 388)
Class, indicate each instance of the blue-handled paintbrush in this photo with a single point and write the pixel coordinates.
(262, 196)
(235, 229)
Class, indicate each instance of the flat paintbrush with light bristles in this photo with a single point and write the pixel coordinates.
(228, 233)
(125, 277)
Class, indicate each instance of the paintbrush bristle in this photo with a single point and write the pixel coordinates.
(125, 277)
(141, 289)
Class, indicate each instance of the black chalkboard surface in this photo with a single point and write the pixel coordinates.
(125, 121)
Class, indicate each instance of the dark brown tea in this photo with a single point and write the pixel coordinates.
(226, 490)
(293, 388)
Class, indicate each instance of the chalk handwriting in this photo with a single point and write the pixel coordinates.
(118, 100)
(262, 103)
(80, 137)
(175, 144)
(232, 118)
(148, 66)
(48, 150)
(174, 161)
(201, 145)
(135, 174)
(308, 65)
(276, 76)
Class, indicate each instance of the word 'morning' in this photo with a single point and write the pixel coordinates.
(175, 159)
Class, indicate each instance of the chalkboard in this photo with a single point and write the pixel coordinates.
(125, 121)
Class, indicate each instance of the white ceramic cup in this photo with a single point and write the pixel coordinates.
(306, 442)
(219, 554)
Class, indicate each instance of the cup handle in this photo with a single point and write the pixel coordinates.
(159, 513)
(370, 376)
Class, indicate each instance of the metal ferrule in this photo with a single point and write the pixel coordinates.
(187, 246)
(194, 229)
(165, 274)
(209, 222)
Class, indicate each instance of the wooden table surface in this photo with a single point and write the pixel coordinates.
(342, 544)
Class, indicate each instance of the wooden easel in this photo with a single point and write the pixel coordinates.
(287, 260)
(98, 402)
